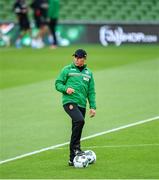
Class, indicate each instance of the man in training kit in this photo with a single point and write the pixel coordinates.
(40, 10)
(53, 15)
(76, 83)
(21, 10)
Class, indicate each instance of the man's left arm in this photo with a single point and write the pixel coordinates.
(91, 97)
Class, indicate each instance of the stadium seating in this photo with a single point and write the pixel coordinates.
(96, 10)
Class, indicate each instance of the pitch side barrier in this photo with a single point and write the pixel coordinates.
(89, 33)
(114, 33)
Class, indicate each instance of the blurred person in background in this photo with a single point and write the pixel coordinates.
(21, 10)
(53, 15)
(40, 11)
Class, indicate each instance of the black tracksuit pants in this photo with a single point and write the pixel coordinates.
(52, 25)
(77, 115)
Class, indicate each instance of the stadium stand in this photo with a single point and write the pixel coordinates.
(97, 11)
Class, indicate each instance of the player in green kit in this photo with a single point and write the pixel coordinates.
(53, 15)
(76, 83)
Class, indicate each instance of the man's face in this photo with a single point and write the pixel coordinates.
(79, 61)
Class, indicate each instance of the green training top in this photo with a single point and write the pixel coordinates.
(53, 11)
(81, 81)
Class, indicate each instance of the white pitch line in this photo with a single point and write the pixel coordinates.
(115, 146)
(88, 137)
(122, 146)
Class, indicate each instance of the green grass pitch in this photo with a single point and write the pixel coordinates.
(32, 117)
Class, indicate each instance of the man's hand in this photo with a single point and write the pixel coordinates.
(70, 91)
(92, 112)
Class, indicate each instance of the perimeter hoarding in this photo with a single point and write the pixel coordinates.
(121, 34)
(103, 34)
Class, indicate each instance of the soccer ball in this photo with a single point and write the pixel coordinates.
(80, 161)
(91, 156)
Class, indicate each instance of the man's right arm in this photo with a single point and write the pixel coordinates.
(60, 83)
